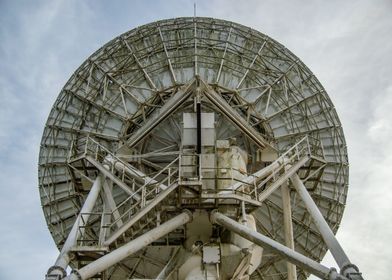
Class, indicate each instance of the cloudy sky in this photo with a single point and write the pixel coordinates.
(347, 44)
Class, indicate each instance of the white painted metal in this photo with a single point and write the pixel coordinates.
(121, 115)
(288, 228)
(130, 248)
(233, 115)
(328, 236)
(104, 170)
(121, 230)
(118, 165)
(288, 173)
(77, 229)
(211, 254)
(111, 204)
(169, 107)
(207, 129)
(333, 245)
(266, 242)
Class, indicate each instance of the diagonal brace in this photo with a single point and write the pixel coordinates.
(130, 248)
(294, 257)
(216, 99)
(346, 267)
(139, 215)
(64, 258)
(161, 114)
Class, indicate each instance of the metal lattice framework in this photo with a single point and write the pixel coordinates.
(118, 118)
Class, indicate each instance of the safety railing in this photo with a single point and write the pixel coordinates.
(305, 149)
(148, 191)
(187, 170)
(144, 187)
(251, 186)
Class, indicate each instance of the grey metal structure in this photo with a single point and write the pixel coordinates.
(194, 148)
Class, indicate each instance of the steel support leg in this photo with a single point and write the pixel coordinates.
(130, 248)
(175, 256)
(288, 229)
(346, 267)
(257, 238)
(63, 259)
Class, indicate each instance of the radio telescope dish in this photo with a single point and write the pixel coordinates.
(193, 148)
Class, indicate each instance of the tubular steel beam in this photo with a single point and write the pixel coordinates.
(63, 258)
(176, 255)
(288, 228)
(107, 210)
(130, 248)
(346, 267)
(318, 219)
(167, 56)
(257, 238)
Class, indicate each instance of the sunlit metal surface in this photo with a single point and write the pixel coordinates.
(138, 77)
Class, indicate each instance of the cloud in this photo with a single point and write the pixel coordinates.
(32, 73)
(347, 44)
(348, 47)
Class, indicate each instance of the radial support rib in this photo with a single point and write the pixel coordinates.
(294, 257)
(346, 267)
(130, 248)
(64, 259)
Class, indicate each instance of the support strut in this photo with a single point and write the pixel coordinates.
(63, 259)
(130, 248)
(346, 267)
(294, 257)
(288, 228)
(198, 119)
(198, 131)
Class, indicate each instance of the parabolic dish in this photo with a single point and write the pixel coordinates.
(117, 88)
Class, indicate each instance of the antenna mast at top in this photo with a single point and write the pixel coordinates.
(194, 9)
